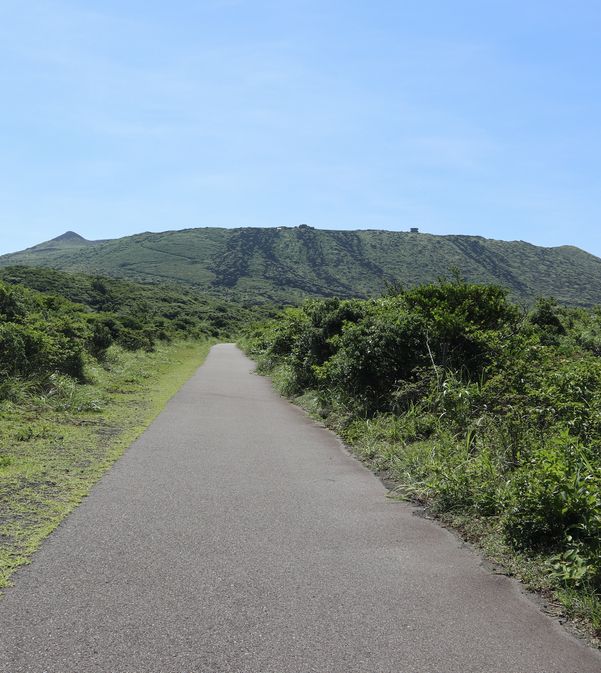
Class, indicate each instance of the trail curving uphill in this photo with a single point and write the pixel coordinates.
(237, 536)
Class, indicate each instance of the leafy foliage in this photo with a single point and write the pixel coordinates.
(79, 317)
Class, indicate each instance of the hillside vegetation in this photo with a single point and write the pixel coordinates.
(136, 311)
(489, 415)
(286, 264)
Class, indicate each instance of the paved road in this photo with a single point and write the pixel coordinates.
(236, 536)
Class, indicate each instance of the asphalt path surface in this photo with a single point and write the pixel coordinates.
(238, 536)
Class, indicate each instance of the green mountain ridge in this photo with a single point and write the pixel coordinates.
(287, 264)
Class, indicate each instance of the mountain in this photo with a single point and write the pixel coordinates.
(286, 264)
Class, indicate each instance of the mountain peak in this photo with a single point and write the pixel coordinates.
(70, 236)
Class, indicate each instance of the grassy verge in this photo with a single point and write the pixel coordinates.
(55, 446)
(407, 467)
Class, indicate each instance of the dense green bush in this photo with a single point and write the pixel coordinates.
(80, 317)
(372, 356)
(45, 334)
(366, 350)
(164, 311)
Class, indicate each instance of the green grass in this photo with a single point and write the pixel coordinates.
(55, 446)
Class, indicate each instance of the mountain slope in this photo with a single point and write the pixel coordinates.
(285, 264)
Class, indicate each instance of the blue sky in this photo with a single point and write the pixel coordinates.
(476, 117)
